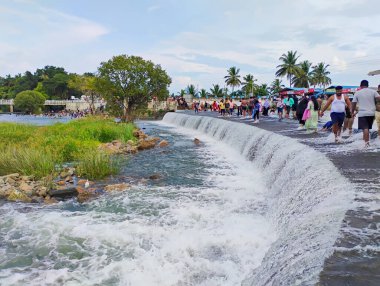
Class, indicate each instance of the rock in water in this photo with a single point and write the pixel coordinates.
(64, 193)
(163, 143)
(16, 195)
(197, 141)
(117, 187)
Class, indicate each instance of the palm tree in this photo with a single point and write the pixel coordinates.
(276, 86)
(289, 66)
(182, 93)
(262, 90)
(320, 74)
(191, 90)
(233, 77)
(249, 84)
(203, 93)
(216, 91)
(304, 75)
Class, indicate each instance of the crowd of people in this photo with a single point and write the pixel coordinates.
(308, 109)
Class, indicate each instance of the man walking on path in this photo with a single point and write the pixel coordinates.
(338, 105)
(366, 99)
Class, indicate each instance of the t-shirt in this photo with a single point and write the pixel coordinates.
(280, 104)
(366, 101)
(221, 105)
(289, 101)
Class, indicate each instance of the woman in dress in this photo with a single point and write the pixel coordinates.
(312, 122)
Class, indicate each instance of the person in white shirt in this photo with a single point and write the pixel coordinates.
(366, 99)
(338, 104)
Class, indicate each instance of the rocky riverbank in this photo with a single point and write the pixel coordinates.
(67, 184)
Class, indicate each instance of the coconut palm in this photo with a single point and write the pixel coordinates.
(191, 90)
(203, 93)
(304, 75)
(182, 92)
(320, 74)
(249, 84)
(289, 66)
(276, 86)
(262, 90)
(233, 78)
(216, 91)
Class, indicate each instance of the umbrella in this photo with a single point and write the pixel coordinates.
(376, 72)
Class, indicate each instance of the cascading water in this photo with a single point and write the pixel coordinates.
(306, 198)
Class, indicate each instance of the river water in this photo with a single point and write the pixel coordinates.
(245, 207)
(201, 223)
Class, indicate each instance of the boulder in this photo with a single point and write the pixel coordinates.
(61, 183)
(18, 196)
(26, 188)
(146, 144)
(42, 191)
(163, 143)
(155, 177)
(49, 200)
(6, 190)
(197, 141)
(63, 193)
(117, 187)
(85, 194)
(68, 179)
(82, 182)
(139, 134)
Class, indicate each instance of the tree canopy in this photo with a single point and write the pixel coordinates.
(29, 101)
(128, 83)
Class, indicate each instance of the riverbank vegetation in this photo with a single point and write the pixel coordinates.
(42, 151)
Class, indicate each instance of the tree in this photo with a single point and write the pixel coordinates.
(203, 93)
(128, 83)
(249, 84)
(289, 66)
(233, 78)
(276, 86)
(29, 101)
(86, 84)
(304, 75)
(262, 90)
(191, 90)
(320, 74)
(216, 91)
(57, 87)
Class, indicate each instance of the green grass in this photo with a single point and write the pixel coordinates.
(40, 151)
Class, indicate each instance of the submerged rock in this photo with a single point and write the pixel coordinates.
(155, 177)
(117, 187)
(197, 141)
(163, 143)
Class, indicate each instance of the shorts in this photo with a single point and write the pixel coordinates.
(365, 122)
(279, 109)
(287, 109)
(294, 107)
(337, 118)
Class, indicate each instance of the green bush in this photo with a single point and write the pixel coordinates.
(95, 165)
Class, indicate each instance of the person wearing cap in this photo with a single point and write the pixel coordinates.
(338, 103)
(366, 99)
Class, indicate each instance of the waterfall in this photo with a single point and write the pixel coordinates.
(306, 201)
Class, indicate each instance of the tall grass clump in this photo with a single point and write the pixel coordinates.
(97, 165)
(39, 151)
(27, 161)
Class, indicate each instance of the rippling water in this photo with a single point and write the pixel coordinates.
(32, 119)
(201, 223)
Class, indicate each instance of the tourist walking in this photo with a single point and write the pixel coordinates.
(377, 115)
(288, 102)
(256, 111)
(301, 107)
(266, 107)
(232, 106)
(294, 107)
(244, 107)
(311, 123)
(366, 98)
(338, 103)
(280, 108)
(222, 108)
(239, 108)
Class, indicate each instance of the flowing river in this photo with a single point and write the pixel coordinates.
(225, 212)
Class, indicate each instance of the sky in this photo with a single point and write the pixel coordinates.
(195, 41)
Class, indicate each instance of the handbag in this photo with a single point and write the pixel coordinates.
(306, 114)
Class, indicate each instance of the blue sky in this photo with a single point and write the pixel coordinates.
(194, 41)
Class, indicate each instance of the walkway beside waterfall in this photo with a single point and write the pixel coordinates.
(357, 250)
